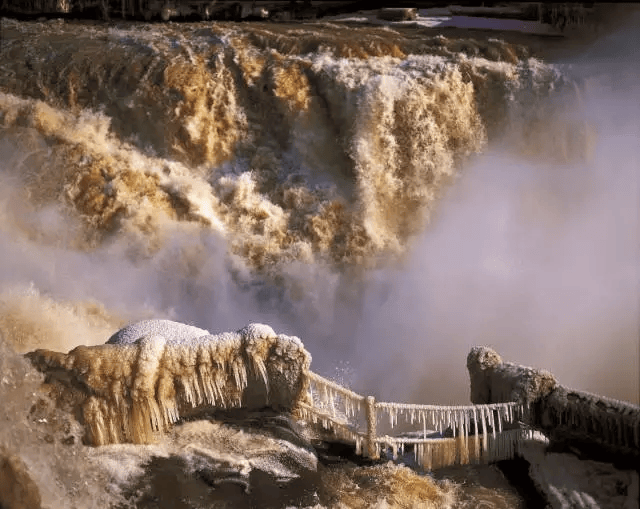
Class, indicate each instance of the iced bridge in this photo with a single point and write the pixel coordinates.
(151, 374)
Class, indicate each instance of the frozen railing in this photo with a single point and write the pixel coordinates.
(440, 436)
(578, 416)
(597, 425)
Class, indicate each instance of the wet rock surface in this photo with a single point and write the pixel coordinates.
(568, 481)
(17, 488)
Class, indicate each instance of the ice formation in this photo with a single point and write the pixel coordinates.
(566, 415)
(570, 414)
(334, 407)
(131, 388)
(495, 381)
(568, 481)
(150, 373)
(168, 329)
(481, 433)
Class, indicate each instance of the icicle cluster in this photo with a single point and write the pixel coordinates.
(135, 389)
(481, 433)
(336, 408)
(564, 414)
(604, 420)
(460, 419)
(339, 429)
(339, 402)
(435, 453)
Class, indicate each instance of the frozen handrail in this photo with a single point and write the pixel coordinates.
(480, 433)
(570, 415)
(313, 377)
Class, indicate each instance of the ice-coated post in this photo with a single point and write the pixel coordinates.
(372, 418)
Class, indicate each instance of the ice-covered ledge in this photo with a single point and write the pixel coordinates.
(496, 381)
(151, 373)
(595, 425)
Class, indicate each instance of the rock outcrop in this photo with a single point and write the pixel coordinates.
(17, 489)
(496, 381)
(599, 427)
(134, 387)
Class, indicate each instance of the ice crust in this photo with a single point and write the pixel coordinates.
(170, 330)
(134, 387)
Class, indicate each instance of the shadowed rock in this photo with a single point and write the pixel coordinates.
(495, 381)
(17, 489)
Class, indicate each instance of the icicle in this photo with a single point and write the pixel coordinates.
(457, 422)
(484, 431)
(236, 375)
(218, 385)
(467, 424)
(619, 423)
(492, 423)
(463, 424)
(325, 396)
(262, 369)
(205, 380)
(423, 415)
(499, 420)
(452, 422)
(198, 390)
(476, 443)
(156, 416)
(427, 455)
(332, 402)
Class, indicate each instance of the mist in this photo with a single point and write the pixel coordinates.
(531, 255)
(531, 251)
